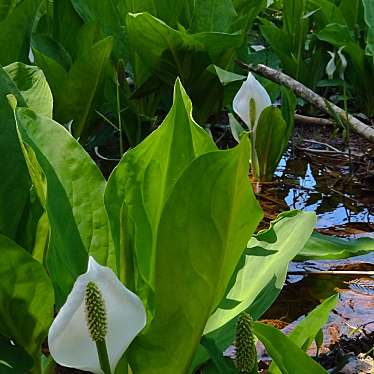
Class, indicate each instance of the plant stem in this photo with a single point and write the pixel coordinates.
(103, 356)
(346, 125)
(119, 120)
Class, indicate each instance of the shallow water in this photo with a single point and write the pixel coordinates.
(343, 209)
(310, 189)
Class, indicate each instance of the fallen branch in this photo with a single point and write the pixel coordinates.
(307, 94)
(306, 120)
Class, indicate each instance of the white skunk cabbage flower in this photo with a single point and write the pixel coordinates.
(99, 307)
(250, 101)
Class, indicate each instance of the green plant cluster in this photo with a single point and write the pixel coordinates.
(176, 220)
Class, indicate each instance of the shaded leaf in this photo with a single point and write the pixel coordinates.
(26, 295)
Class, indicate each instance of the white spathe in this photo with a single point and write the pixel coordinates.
(69, 341)
(250, 89)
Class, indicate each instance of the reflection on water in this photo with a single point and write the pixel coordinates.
(340, 203)
(311, 189)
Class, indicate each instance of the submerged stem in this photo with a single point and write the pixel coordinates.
(103, 356)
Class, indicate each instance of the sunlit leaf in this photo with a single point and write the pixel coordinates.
(71, 188)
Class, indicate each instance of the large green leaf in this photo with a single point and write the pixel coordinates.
(75, 100)
(33, 87)
(269, 137)
(306, 331)
(162, 54)
(351, 10)
(13, 359)
(163, 50)
(170, 11)
(259, 276)
(213, 15)
(16, 31)
(263, 264)
(140, 185)
(66, 25)
(325, 12)
(13, 172)
(7, 6)
(324, 247)
(336, 34)
(109, 17)
(204, 225)
(247, 11)
(53, 59)
(369, 19)
(29, 86)
(281, 43)
(71, 188)
(26, 295)
(286, 354)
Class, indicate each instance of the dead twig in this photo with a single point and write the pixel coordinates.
(307, 94)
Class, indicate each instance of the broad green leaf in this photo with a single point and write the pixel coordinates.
(169, 53)
(247, 11)
(13, 359)
(281, 43)
(235, 127)
(226, 77)
(259, 276)
(168, 11)
(324, 247)
(351, 10)
(269, 139)
(223, 365)
(336, 34)
(204, 226)
(140, 185)
(26, 294)
(16, 31)
(7, 6)
(108, 15)
(66, 25)
(293, 10)
(288, 112)
(213, 15)
(369, 19)
(230, 82)
(296, 30)
(52, 58)
(327, 12)
(264, 263)
(33, 87)
(50, 48)
(71, 188)
(76, 98)
(285, 353)
(306, 331)
(13, 172)
(29, 87)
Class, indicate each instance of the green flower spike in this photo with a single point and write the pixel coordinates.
(97, 323)
(246, 354)
(95, 313)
